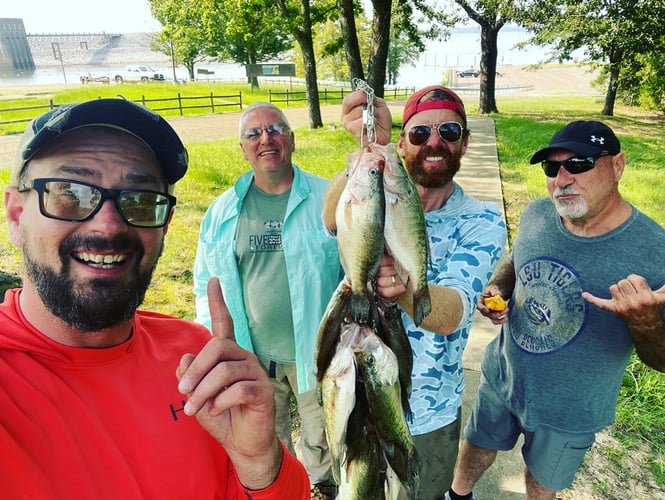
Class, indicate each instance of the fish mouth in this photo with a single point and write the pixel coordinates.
(100, 261)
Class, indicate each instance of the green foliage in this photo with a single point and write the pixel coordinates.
(625, 35)
(641, 412)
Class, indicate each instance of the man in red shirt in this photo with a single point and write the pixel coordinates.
(90, 406)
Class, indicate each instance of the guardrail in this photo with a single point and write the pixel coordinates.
(178, 103)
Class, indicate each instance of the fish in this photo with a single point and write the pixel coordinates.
(330, 327)
(392, 332)
(338, 395)
(379, 368)
(405, 232)
(359, 216)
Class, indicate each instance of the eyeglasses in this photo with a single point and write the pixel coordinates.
(273, 129)
(64, 199)
(448, 131)
(574, 165)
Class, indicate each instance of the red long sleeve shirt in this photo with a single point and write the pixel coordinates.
(109, 423)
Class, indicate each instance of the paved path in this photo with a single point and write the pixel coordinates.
(479, 176)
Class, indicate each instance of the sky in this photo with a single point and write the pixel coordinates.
(81, 16)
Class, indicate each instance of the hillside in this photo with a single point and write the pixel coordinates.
(99, 50)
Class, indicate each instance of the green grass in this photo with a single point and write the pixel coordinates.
(523, 126)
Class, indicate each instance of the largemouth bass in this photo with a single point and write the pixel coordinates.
(338, 394)
(404, 231)
(392, 332)
(330, 327)
(360, 218)
(380, 371)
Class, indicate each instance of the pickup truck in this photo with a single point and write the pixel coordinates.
(137, 73)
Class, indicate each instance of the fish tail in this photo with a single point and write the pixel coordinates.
(360, 307)
(422, 305)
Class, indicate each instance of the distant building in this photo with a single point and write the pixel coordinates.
(15, 51)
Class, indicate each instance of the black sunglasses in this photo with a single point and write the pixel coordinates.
(64, 199)
(448, 131)
(574, 165)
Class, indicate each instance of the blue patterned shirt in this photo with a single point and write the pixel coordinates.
(466, 238)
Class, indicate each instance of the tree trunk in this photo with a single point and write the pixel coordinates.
(611, 95)
(380, 42)
(489, 33)
(347, 21)
(304, 38)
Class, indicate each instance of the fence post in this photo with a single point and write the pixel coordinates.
(270, 96)
(287, 98)
(180, 103)
(143, 100)
(212, 103)
(240, 98)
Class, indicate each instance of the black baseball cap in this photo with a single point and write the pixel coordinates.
(119, 114)
(584, 138)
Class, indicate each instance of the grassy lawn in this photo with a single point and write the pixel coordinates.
(524, 125)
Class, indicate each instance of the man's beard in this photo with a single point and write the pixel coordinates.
(97, 304)
(574, 209)
(437, 178)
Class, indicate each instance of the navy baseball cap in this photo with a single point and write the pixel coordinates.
(584, 138)
(119, 114)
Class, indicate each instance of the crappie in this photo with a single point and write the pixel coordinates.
(405, 233)
(359, 217)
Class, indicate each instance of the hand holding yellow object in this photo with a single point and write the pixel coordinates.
(495, 303)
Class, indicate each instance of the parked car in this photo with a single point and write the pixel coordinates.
(468, 72)
(94, 78)
(137, 73)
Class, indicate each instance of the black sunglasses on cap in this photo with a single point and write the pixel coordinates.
(574, 165)
(448, 131)
(73, 201)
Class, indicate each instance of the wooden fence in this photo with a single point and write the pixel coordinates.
(179, 103)
(326, 95)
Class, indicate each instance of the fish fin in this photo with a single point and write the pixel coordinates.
(422, 305)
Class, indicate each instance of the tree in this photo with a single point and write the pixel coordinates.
(350, 39)
(244, 31)
(181, 39)
(299, 19)
(619, 34)
(491, 16)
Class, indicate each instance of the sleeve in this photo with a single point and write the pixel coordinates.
(201, 277)
(471, 260)
(292, 483)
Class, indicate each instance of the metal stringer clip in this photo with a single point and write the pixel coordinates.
(368, 111)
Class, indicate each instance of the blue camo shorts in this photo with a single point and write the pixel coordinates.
(552, 456)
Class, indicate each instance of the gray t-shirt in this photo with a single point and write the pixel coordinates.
(559, 361)
(262, 268)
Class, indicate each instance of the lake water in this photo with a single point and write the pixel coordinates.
(461, 50)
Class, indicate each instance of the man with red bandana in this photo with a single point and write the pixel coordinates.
(97, 398)
(466, 238)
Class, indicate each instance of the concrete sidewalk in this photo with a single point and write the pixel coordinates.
(479, 177)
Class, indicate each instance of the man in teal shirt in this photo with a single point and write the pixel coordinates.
(265, 240)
